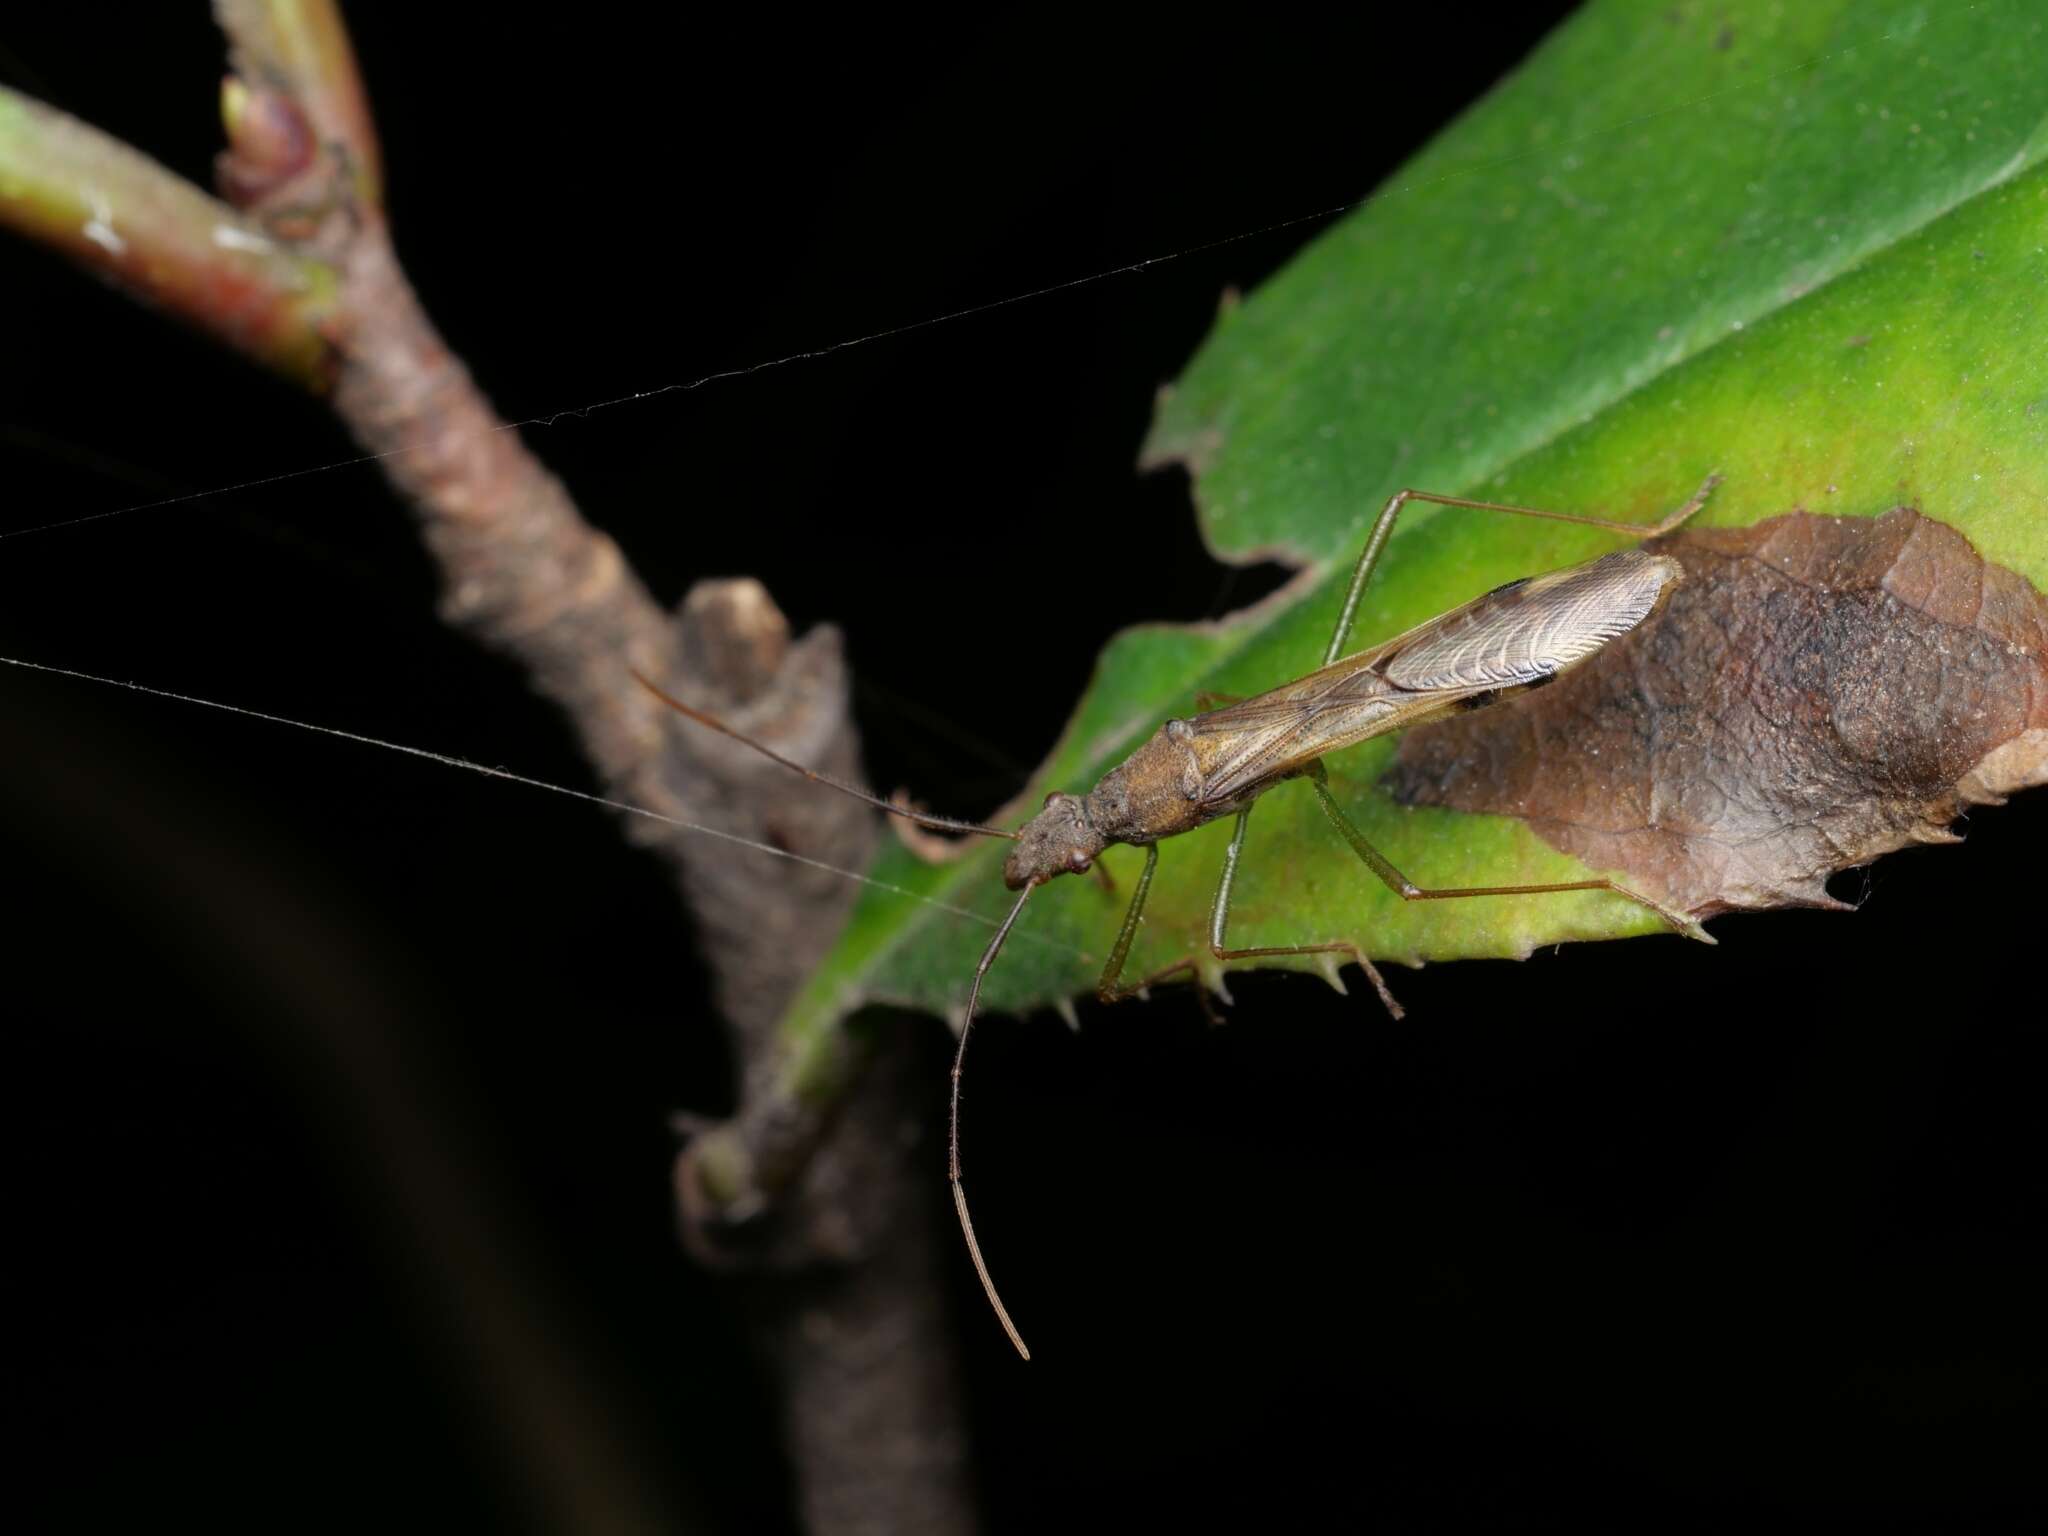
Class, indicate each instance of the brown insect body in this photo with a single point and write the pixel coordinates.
(1192, 771)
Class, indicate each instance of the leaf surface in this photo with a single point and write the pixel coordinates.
(1806, 246)
(1823, 690)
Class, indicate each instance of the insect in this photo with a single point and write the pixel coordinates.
(1219, 762)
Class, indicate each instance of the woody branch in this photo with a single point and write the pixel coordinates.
(292, 266)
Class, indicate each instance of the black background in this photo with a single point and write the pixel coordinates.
(339, 1081)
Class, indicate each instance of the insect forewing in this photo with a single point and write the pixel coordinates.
(1513, 637)
(1530, 630)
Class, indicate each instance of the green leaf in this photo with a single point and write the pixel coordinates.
(1804, 245)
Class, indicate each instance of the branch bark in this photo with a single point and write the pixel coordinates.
(297, 271)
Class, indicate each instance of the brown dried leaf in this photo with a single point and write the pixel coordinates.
(1820, 691)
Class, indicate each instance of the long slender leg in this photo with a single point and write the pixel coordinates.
(1206, 701)
(1219, 927)
(1408, 890)
(1109, 987)
(1383, 527)
(1109, 990)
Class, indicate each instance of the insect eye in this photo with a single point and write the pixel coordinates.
(1054, 797)
(1078, 862)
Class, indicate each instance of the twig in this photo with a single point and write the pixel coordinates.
(121, 215)
(298, 272)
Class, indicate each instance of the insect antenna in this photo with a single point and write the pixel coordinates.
(922, 818)
(988, 958)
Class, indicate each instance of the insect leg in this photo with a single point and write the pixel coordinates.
(1408, 890)
(1219, 927)
(1110, 988)
(1383, 527)
(1206, 701)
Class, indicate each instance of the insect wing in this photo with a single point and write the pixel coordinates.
(1529, 630)
(1269, 737)
(1514, 637)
